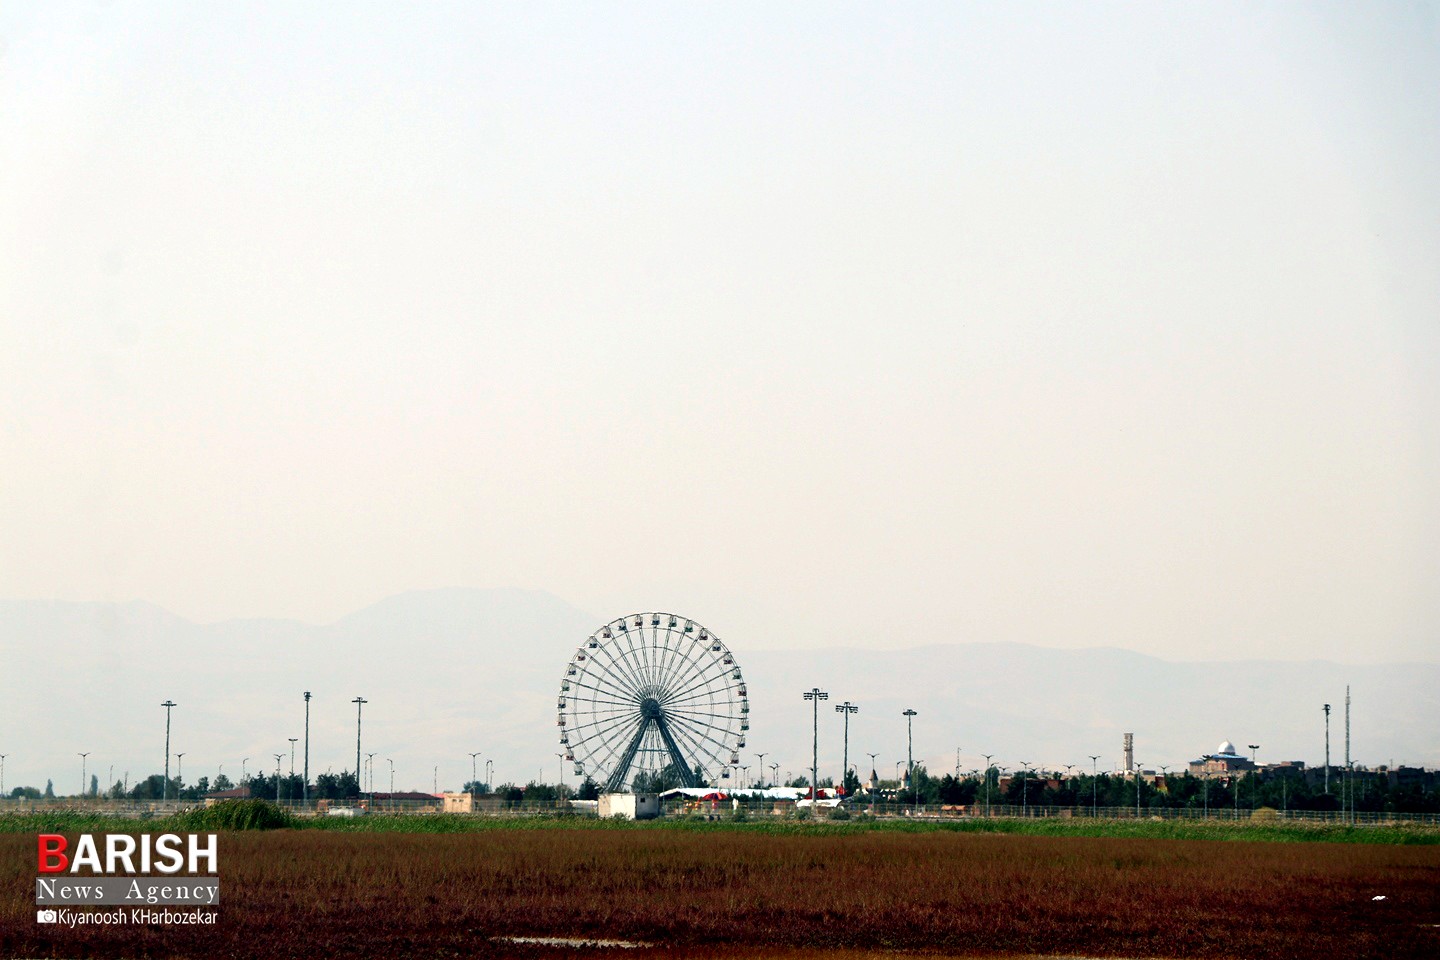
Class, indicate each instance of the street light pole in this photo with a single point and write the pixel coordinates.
(1024, 793)
(180, 769)
(293, 741)
(359, 705)
(762, 769)
(305, 786)
(1255, 787)
(910, 756)
(370, 770)
(474, 774)
(82, 774)
(815, 695)
(278, 758)
(846, 708)
(1094, 784)
(165, 790)
(987, 757)
(392, 773)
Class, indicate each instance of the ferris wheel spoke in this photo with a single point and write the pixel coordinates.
(718, 686)
(635, 666)
(702, 746)
(721, 738)
(694, 656)
(600, 741)
(713, 679)
(602, 691)
(601, 726)
(675, 665)
(700, 724)
(620, 710)
(704, 749)
(617, 674)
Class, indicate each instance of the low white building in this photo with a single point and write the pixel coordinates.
(630, 806)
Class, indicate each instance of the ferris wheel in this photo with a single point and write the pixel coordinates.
(652, 701)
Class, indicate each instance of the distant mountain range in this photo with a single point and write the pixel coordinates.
(455, 671)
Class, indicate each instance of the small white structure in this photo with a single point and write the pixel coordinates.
(629, 806)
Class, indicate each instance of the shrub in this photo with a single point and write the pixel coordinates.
(236, 815)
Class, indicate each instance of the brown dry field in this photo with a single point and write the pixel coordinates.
(739, 894)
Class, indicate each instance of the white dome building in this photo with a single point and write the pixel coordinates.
(1224, 762)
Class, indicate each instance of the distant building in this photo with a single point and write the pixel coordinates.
(458, 803)
(238, 793)
(629, 806)
(1224, 762)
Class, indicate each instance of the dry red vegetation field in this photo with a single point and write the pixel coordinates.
(316, 893)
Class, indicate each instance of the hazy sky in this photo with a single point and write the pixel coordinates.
(870, 324)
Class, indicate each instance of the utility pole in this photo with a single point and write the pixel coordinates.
(910, 755)
(165, 791)
(846, 709)
(359, 705)
(305, 787)
(815, 695)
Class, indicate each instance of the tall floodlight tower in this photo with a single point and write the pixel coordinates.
(1327, 748)
(305, 787)
(359, 705)
(1350, 775)
(910, 755)
(815, 695)
(165, 792)
(846, 708)
(1129, 753)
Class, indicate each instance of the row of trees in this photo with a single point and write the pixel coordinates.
(1366, 791)
(1371, 792)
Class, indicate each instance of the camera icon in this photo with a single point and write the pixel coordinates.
(46, 916)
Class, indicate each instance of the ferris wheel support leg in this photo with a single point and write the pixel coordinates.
(616, 783)
(682, 768)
